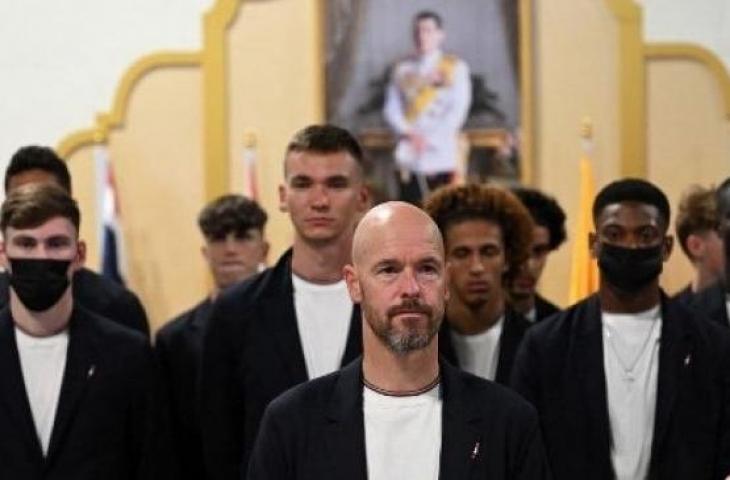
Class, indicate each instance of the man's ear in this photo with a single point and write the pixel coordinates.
(204, 252)
(593, 244)
(668, 246)
(4, 262)
(353, 283)
(81, 255)
(282, 199)
(695, 246)
(265, 251)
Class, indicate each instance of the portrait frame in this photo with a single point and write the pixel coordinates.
(521, 132)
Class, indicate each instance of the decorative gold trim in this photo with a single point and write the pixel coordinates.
(215, 97)
(689, 51)
(527, 119)
(115, 118)
(632, 87)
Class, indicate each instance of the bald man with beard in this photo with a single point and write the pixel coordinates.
(398, 412)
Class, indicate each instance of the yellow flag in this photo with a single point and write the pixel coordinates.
(584, 272)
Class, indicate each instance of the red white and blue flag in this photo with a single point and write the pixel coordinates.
(110, 234)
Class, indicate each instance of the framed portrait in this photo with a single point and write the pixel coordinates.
(368, 42)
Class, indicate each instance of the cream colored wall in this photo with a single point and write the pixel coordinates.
(576, 76)
(275, 85)
(688, 138)
(157, 160)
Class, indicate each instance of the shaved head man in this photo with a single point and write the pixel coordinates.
(398, 412)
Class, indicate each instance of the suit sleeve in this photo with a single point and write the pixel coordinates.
(269, 458)
(531, 462)
(723, 466)
(394, 109)
(130, 311)
(221, 410)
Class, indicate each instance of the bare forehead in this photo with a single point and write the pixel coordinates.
(629, 214)
(320, 164)
(55, 227)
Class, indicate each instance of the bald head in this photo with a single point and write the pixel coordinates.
(393, 219)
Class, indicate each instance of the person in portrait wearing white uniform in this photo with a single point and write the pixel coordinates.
(294, 321)
(426, 103)
(628, 384)
(76, 389)
(714, 300)
(487, 233)
(398, 412)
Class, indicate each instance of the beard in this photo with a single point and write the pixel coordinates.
(411, 337)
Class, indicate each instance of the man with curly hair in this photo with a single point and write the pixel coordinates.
(487, 233)
(547, 236)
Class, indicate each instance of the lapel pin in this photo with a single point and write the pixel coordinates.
(687, 359)
(91, 371)
(475, 451)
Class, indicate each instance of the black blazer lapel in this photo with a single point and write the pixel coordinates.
(345, 427)
(446, 346)
(460, 440)
(80, 369)
(12, 390)
(587, 360)
(278, 315)
(675, 354)
(512, 332)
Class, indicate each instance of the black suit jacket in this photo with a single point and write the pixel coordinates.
(106, 424)
(316, 431)
(252, 353)
(544, 308)
(711, 303)
(513, 329)
(102, 296)
(179, 347)
(559, 368)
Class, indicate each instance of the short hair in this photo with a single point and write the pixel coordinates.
(428, 15)
(632, 190)
(453, 204)
(34, 157)
(545, 212)
(32, 205)
(697, 213)
(721, 198)
(231, 214)
(326, 139)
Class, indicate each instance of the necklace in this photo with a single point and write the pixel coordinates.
(629, 370)
(402, 393)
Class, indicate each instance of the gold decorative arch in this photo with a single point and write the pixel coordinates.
(689, 51)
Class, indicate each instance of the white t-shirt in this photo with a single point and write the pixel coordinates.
(479, 354)
(727, 305)
(631, 363)
(323, 319)
(531, 316)
(43, 361)
(402, 435)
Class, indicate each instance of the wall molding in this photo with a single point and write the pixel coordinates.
(693, 52)
(115, 118)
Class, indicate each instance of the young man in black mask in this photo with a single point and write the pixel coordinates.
(629, 384)
(76, 390)
(34, 164)
(714, 301)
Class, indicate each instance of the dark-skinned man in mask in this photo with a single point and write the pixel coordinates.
(628, 384)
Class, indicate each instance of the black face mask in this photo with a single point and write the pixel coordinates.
(39, 282)
(629, 269)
